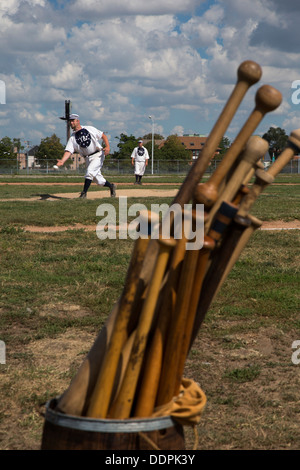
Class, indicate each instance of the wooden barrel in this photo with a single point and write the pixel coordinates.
(67, 432)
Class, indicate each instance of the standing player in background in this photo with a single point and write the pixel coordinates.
(139, 158)
(86, 140)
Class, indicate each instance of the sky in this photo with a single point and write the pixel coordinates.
(120, 62)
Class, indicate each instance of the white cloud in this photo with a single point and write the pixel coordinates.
(125, 60)
(179, 130)
(68, 77)
(105, 8)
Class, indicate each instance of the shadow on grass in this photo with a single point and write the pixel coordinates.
(51, 196)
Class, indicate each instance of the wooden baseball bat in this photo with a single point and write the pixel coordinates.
(264, 178)
(122, 405)
(75, 399)
(154, 356)
(105, 382)
(267, 99)
(255, 148)
(219, 263)
(190, 281)
(247, 227)
(176, 328)
(248, 74)
(224, 217)
(251, 174)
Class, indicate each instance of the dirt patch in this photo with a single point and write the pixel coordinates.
(92, 195)
(267, 225)
(281, 225)
(63, 310)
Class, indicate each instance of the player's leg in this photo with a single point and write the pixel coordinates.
(96, 167)
(87, 184)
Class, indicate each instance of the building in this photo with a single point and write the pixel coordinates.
(76, 161)
(194, 143)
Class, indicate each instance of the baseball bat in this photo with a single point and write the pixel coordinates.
(267, 99)
(153, 362)
(248, 74)
(255, 148)
(176, 328)
(190, 278)
(219, 263)
(264, 178)
(122, 405)
(103, 389)
(75, 399)
(247, 227)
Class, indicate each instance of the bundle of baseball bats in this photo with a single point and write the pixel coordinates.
(137, 361)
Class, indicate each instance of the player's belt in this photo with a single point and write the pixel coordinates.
(93, 153)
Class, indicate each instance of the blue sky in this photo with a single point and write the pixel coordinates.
(119, 62)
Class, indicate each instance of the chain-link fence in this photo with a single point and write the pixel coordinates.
(121, 167)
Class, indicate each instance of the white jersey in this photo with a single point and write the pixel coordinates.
(140, 154)
(86, 141)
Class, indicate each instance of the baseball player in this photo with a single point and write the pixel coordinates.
(139, 158)
(86, 140)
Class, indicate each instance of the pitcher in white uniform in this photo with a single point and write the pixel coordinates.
(86, 140)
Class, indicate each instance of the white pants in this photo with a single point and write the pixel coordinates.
(94, 164)
(139, 168)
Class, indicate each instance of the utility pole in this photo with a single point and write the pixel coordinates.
(152, 153)
(68, 106)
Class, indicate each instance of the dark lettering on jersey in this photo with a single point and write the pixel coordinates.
(141, 151)
(83, 138)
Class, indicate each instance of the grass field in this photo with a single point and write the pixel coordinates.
(58, 288)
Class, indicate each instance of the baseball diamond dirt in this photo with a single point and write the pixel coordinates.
(135, 193)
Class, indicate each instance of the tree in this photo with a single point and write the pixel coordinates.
(155, 136)
(173, 150)
(277, 139)
(223, 147)
(126, 145)
(50, 148)
(7, 151)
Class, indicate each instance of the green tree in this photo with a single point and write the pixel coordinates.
(277, 139)
(126, 145)
(173, 150)
(223, 147)
(155, 136)
(8, 151)
(50, 149)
